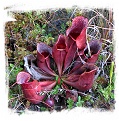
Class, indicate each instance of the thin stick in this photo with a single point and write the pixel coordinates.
(101, 27)
(80, 57)
(89, 52)
(73, 12)
(13, 85)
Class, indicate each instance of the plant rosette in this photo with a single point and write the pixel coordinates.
(70, 63)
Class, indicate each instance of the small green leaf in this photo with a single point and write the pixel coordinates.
(44, 26)
(11, 65)
(56, 78)
(55, 90)
(87, 97)
(43, 31)
(70, 103)
(43, 109)
(23, 22)
(8, 35)
(79, 102)
(111, 71)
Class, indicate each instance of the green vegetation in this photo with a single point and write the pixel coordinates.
(79, 102)
(55, 90)
(70, 103)
(14, 70)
